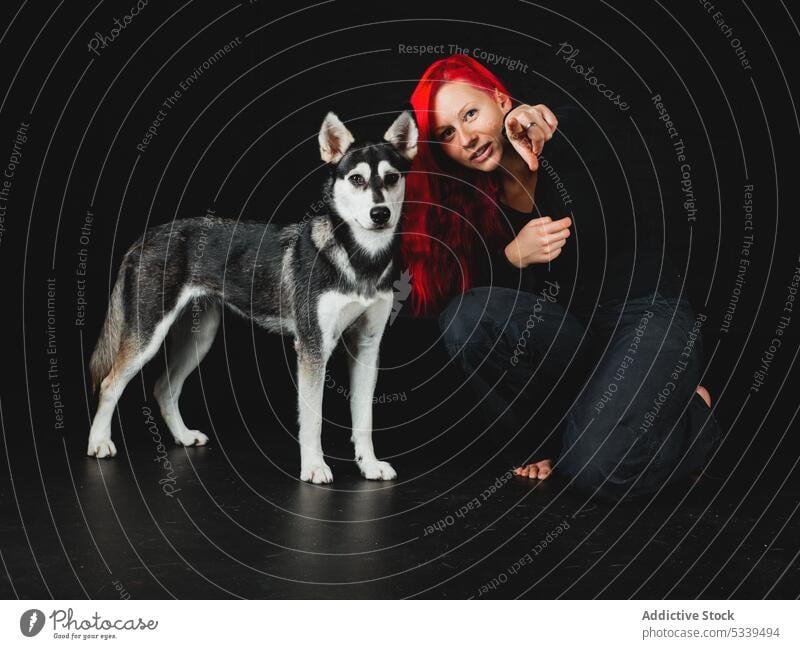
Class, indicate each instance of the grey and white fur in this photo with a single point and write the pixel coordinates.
(327, 277)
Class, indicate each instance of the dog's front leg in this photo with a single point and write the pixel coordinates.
(363, 360)
(310, 384)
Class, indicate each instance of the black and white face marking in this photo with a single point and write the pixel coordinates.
(370, 193)
(394, 188)
(368, 184)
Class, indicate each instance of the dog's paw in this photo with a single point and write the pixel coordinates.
(377, 470)
(192, 438)
(316, 472)
(101, 448)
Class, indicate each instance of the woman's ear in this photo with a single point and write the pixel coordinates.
(503, 100)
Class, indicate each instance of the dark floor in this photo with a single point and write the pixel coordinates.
(230, 521)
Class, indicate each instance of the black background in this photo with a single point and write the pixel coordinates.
(242, 141)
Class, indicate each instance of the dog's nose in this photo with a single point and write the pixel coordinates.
(380, 214)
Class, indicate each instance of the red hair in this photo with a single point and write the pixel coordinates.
(448, 208)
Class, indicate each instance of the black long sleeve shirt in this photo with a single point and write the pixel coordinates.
(616, 244)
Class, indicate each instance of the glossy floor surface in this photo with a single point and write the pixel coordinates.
(227, 521)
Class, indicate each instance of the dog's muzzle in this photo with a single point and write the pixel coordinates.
(380, 215)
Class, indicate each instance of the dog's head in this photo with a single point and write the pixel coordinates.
(367, 183)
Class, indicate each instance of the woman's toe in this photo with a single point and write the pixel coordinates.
(534, 471)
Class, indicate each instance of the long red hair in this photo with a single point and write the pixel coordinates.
(448, 208)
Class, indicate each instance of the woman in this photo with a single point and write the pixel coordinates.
(536, 285)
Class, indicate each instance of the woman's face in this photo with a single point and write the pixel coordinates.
(467, 122)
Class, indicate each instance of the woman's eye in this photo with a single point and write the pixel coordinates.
(469, 114)
(446, 134)
(357, 180)
(391, 179)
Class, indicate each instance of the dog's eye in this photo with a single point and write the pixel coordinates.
(357, 180)
(391, 179)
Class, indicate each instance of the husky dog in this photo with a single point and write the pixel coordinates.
(327, 277)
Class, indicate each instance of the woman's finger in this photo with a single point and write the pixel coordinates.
(536, 118)
(548, 115)
(552, 247)
(535, 130)
(550, 256)
(523, 146)
(520, 140)
(514, 128)
(530, 117)
(560, 235)
(555, 226)
(540, 222)
(554, 244)
(537, 138)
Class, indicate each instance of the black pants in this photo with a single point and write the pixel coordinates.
(624, 375)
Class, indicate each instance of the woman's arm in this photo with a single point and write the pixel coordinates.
(527, 128)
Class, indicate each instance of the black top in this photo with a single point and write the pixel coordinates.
(616, 244)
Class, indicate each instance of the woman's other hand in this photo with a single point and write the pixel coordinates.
(528, 128)
(540, 241)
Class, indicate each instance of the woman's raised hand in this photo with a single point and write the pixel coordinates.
(539, 242)
(528, 128)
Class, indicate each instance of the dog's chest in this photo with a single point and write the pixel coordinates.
(337, 311)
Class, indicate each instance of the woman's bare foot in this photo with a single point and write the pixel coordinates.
(704, 395)
(536, 471)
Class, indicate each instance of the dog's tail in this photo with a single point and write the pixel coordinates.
(111, 335)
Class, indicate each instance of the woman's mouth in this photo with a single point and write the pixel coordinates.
(481, 154)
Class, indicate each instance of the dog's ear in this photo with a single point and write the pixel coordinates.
(403, 134)
(334, 139)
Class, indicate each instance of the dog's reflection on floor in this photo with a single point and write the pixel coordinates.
(357, 502)
(349, 531)
(291, 536)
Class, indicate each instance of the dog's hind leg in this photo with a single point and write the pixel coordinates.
(123, 369)
(310, 384)
(128, 361)
(363, 343)
(137, 347)
(190, 340)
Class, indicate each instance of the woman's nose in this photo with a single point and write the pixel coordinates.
(466, 138)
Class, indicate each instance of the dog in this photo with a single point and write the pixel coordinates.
(325, 278)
